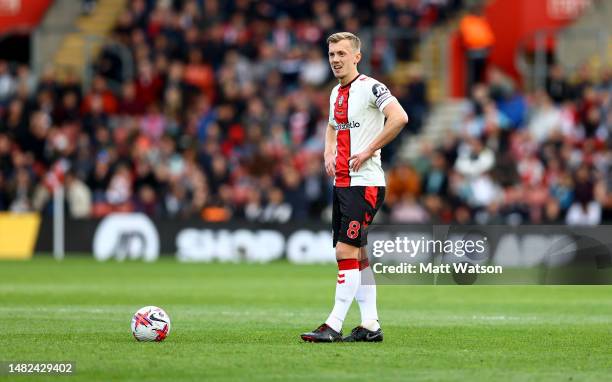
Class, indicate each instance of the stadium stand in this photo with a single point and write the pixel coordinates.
(225, 113)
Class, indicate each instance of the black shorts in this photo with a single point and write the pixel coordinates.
(354, 209)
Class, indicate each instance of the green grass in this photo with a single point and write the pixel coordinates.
(241, 322)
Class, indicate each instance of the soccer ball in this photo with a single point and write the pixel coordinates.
(150, 324)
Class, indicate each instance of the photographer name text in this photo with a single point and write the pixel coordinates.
(429, 268)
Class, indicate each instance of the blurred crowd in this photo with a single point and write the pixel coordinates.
(517, 158)
(217, 110)
(211, 109)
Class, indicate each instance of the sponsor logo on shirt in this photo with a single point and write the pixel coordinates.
(346, 126)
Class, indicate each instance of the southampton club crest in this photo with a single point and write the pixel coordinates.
(341, 100)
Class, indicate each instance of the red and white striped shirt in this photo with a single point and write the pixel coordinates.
(356, 112)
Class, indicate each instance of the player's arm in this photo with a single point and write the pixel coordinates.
(330, 150)
(396, 119)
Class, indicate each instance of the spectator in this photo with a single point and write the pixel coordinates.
(7, 82)
(148, 83)
(68, 110)
(475, 159)
(146, 201)
(293, 189)
(478, 39)
(546, 120)
(78, 196)
(416, 101)
(6, 144)
(15, 121)
(403, 181)
(315, 70)
(552, 213)
(276, 210)
(199, 74)
(176, 201)
(100, 93)
(435, 180)
(409, 211)
(129, 103)
(119, 191)
(253, 208)
(557, 86)
(21, 192)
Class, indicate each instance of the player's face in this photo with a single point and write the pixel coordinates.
(343, 58)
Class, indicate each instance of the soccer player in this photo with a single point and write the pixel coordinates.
(363, 118)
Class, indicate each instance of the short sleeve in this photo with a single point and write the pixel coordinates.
(380, 96)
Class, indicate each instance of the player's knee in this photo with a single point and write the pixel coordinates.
(346, 251)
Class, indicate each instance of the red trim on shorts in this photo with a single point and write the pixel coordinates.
(371, 194)
(347, 264)
(343, 138)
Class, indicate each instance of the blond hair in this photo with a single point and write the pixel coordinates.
(354, 40)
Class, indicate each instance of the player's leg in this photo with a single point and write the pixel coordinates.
(366, 294)
(347, 242)
(347, 284)
(369, 330)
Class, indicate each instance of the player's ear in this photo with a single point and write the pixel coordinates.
(357, 57)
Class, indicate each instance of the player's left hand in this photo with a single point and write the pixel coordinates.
(355, 161)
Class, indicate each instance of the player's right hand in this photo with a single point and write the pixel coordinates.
(330, 164)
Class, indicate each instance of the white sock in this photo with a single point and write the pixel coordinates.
(366, 297)
(346, 288)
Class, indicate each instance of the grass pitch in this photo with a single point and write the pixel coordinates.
(242, 322)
